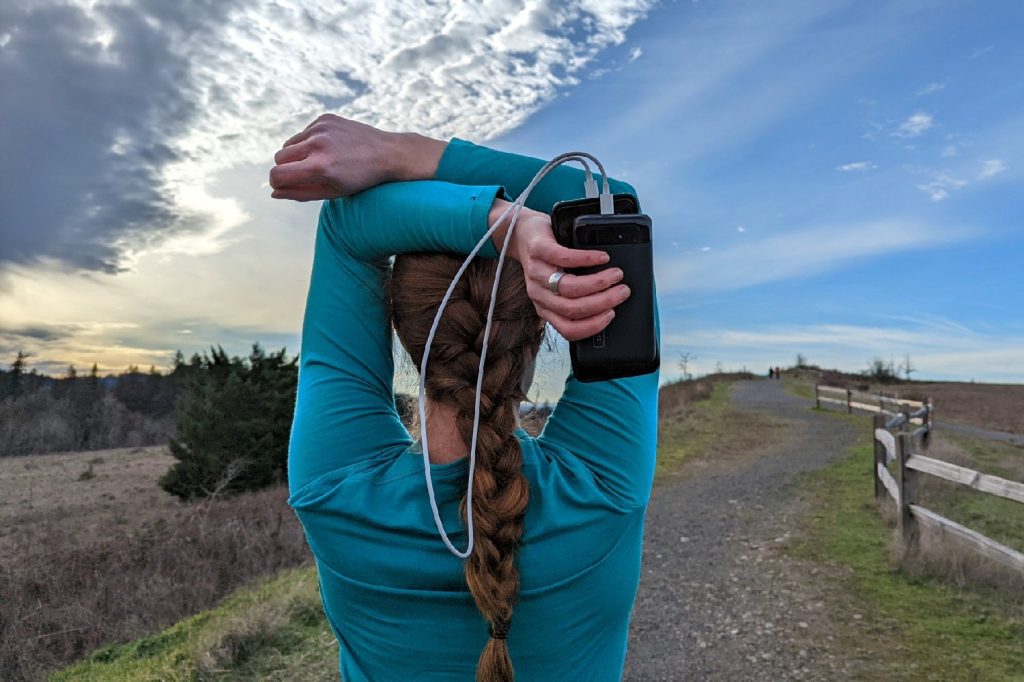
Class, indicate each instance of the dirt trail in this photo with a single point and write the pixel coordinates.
(717, 599)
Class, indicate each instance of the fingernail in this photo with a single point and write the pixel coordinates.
(624, 292)
(605, 257)
(617, 274)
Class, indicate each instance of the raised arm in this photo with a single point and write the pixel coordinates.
(612, 425)
(345, 412)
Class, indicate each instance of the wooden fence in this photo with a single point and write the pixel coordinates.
(897, 441)
(870, 402)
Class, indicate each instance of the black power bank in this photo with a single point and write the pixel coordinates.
(628, 346)
(564, 213)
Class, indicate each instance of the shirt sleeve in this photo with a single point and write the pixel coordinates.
(345, 411)
(612, 426)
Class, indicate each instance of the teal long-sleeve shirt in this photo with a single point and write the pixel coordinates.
(395, 597)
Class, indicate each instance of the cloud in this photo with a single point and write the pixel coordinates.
(740, 228)
(939, 348)
(102, 92)
(915, 125)
(635, 54)
(942, 184)
(166, 96)
(797, 253)
(36, 332)
(857, 166)
(930, 88)
(991, 168)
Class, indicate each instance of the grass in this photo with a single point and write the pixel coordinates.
(998, 518)
(685, 435)
(928, 630)
(798, 387)
(275, 630)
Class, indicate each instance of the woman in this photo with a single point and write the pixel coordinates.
(548, 589)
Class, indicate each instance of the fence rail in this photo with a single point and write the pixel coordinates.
(895, 440)
(868, 402)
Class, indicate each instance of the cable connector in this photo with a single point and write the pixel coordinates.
(590, 184)
(607, 203)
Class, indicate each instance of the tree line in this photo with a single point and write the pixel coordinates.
(227, 419)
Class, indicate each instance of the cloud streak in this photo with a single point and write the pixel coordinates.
(797, 253)
(939, 348)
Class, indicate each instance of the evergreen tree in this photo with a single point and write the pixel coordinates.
(233, 422)
(12, 385)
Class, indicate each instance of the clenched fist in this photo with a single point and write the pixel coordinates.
(335, 157)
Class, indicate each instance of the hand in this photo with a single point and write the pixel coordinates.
(335, 157)
(584, 304)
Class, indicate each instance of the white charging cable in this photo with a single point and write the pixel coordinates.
(606, 207)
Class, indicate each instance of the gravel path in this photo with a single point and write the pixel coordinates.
(717, 599)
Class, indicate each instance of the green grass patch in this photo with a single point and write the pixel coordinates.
(801, 388)
(942, 632)
(275, 630)
(682, 438)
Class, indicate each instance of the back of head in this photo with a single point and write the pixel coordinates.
(500, 491)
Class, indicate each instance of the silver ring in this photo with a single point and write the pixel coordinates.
(553, 280)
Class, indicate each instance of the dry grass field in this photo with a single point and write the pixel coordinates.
(87, 492)
(999, 407)
(991, 406)
(93, 552)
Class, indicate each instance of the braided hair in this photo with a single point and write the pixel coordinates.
(500, 490)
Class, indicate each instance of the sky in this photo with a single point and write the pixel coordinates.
(833, 178)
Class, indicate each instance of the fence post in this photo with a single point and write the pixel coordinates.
(849, 401)
(878, 422)
(907, 483)
(817, 398)
(927, 421)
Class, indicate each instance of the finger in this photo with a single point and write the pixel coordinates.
(579, 308)
(305, 172)
(305, 193)
(578, 286)
(560, 256)
(574, 330)
(295, 152)
(306, 132)
(297, 137)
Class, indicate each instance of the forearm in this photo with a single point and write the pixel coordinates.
(402, 217)
(415, 156)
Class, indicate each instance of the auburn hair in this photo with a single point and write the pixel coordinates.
(500, 490)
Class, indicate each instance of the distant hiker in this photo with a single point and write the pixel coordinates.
(771, 372)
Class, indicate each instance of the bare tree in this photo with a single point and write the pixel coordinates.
(685, 357)
(801, 360)
(907, 366)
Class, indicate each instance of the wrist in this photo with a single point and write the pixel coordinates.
(414, 156)
(527, 218)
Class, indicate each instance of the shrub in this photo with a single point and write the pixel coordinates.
(233, 424)
(882, 372)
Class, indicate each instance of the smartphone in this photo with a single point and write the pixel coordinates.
(565, 213)
(628, 346)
